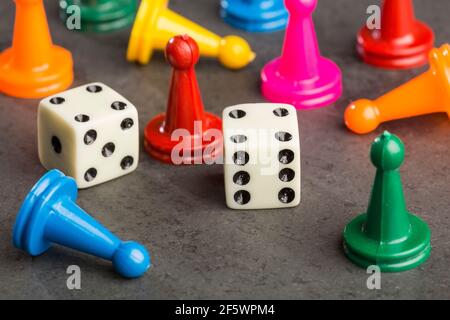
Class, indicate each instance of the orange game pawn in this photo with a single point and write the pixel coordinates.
(33, 67)
(428, 93)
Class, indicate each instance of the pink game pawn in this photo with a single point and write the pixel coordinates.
(301, 77)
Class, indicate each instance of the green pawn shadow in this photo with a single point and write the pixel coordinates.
(387, 235)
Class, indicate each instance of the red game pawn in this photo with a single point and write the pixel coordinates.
(402, 43)
(185, 129)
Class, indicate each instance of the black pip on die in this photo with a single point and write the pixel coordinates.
(261, 156)
(90, 133)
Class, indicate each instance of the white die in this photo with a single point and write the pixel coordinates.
(90, 133)
(261, 156)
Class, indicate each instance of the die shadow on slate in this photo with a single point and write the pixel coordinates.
(205, 183)
(24, 113)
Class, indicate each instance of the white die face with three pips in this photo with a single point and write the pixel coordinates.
(90, 133)
(261, 156)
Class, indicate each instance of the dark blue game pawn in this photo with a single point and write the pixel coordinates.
(255, 15)
(49, 215)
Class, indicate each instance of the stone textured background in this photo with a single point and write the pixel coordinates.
(200, 248)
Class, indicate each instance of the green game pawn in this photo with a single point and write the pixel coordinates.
(387, 235)
(100, 15)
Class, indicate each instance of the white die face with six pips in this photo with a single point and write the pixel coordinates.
(90, 133)
(261, 156)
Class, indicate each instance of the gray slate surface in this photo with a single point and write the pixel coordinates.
(200, 248)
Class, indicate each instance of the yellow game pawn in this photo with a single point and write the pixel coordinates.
(155, 24)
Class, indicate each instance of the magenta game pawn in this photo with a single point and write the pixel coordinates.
(301, 76)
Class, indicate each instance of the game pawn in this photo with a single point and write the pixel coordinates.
(50, 215)
(101, 15)
(427, 93)
(255, 15)
(156, 24)
(301, 77)
(33, 67)
(387, 235)
(402, 43)
(185, 112)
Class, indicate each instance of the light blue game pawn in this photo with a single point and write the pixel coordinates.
(255, 15)
(49, 215)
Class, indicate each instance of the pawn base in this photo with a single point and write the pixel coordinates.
(104, 26)
(140, 45)
(160, 145)
(57, 76)
(30, 224)
(252, 18)
(303, 94)
(107, 17)
(398, 54)
(389, 257)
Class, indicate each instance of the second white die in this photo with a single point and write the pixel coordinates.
(262, 156)
(90, 133)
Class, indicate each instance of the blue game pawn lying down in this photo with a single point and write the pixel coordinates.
(50, 215)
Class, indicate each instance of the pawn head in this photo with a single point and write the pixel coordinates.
(362, 116)
(387, 152)
(303, 7)
(182, 52)
(235, 52)
(131, 260)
